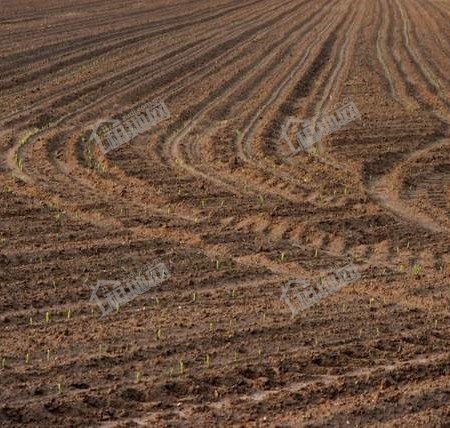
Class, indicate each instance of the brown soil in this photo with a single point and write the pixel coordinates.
(208, 193)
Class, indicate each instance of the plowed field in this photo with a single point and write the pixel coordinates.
(209, 193)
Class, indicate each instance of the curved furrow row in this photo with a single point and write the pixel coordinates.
(233, 106)
(383, 189)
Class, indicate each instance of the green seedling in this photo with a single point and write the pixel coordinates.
(117, 307)
(371, 301)
(435, 323)
(378, 331)
(315, 254)
(159, 334)
(3, 363)
(27, 358)
(282, 256)
(203, 204)
(207, 360)
(157, 300)
(31, 320)
(259, 351)
(48, 354)
(210, 326)
(235, 356)
(138, 377)
(59, 389)
(233, 293)
(47, 317)
(217, 264)
(181, 367)
(68, 314)
(416, 270)
(194, 297)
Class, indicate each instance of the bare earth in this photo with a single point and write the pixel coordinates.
(209, 193)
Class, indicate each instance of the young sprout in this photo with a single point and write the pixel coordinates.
(261, 198)
(316, 341)
(100, 348)
(27, 358)
(171, 372)
(68, 314)
(360, 332)
(235, 356)
(3, 363)
(159, 334)
(282, 256)
(233, 293)
(221, 203)
(264, 317)
(31, 320)
(138, 376)
(371, 301)
(59, 389)
(398, 250)
(210, 326)
(47, 316)
(117, 307)
(435, 323)
(416, 270)
(168, 210)
(203, 203)
(207, 360)
(407, 245)
(259, 351)
(217, 264)
(92, 310)
(48, 354)
(315, 254)
(54, 284)
(194, 297)
(157, 301)
(378, 331)
(181, 367)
